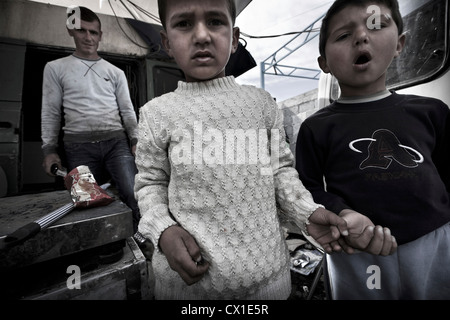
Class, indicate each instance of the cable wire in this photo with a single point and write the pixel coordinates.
(123, 31)
(314, 30)
(147, 13)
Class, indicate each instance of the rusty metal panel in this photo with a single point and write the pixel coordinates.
(79, 230)
(125, 279)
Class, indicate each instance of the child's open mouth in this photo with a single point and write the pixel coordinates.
(362, 61)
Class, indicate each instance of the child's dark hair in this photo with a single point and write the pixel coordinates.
(88, 15)
(339, 5)
(162, 11)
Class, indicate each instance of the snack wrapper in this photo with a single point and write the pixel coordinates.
(84, 190)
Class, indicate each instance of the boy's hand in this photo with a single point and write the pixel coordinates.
(326, 228)
(365, 236)
(183, 254)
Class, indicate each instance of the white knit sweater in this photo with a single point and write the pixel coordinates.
(209, 160)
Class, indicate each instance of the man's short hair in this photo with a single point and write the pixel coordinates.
(88, 15)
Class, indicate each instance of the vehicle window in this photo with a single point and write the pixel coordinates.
(425, 26)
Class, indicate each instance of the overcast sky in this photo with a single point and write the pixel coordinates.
(268, 17)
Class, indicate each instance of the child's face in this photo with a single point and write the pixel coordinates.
(357, 52)
(200, 37)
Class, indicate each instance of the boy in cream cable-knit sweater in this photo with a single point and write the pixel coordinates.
(214, 171)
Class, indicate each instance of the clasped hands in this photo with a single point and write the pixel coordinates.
(350, 232)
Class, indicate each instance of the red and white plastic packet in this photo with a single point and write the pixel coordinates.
(84, 190)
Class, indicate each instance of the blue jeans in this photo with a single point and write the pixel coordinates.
(111, 159)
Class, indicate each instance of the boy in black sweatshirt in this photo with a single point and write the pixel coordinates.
(379, 158)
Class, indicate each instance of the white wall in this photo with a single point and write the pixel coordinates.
(295, 110)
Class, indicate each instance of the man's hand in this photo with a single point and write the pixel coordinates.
(48, 161)
(326, 228)
(183, 254)
(365, 236)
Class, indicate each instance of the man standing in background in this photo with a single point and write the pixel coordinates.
(92, 97)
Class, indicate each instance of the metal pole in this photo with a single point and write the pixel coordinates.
(262, 75)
